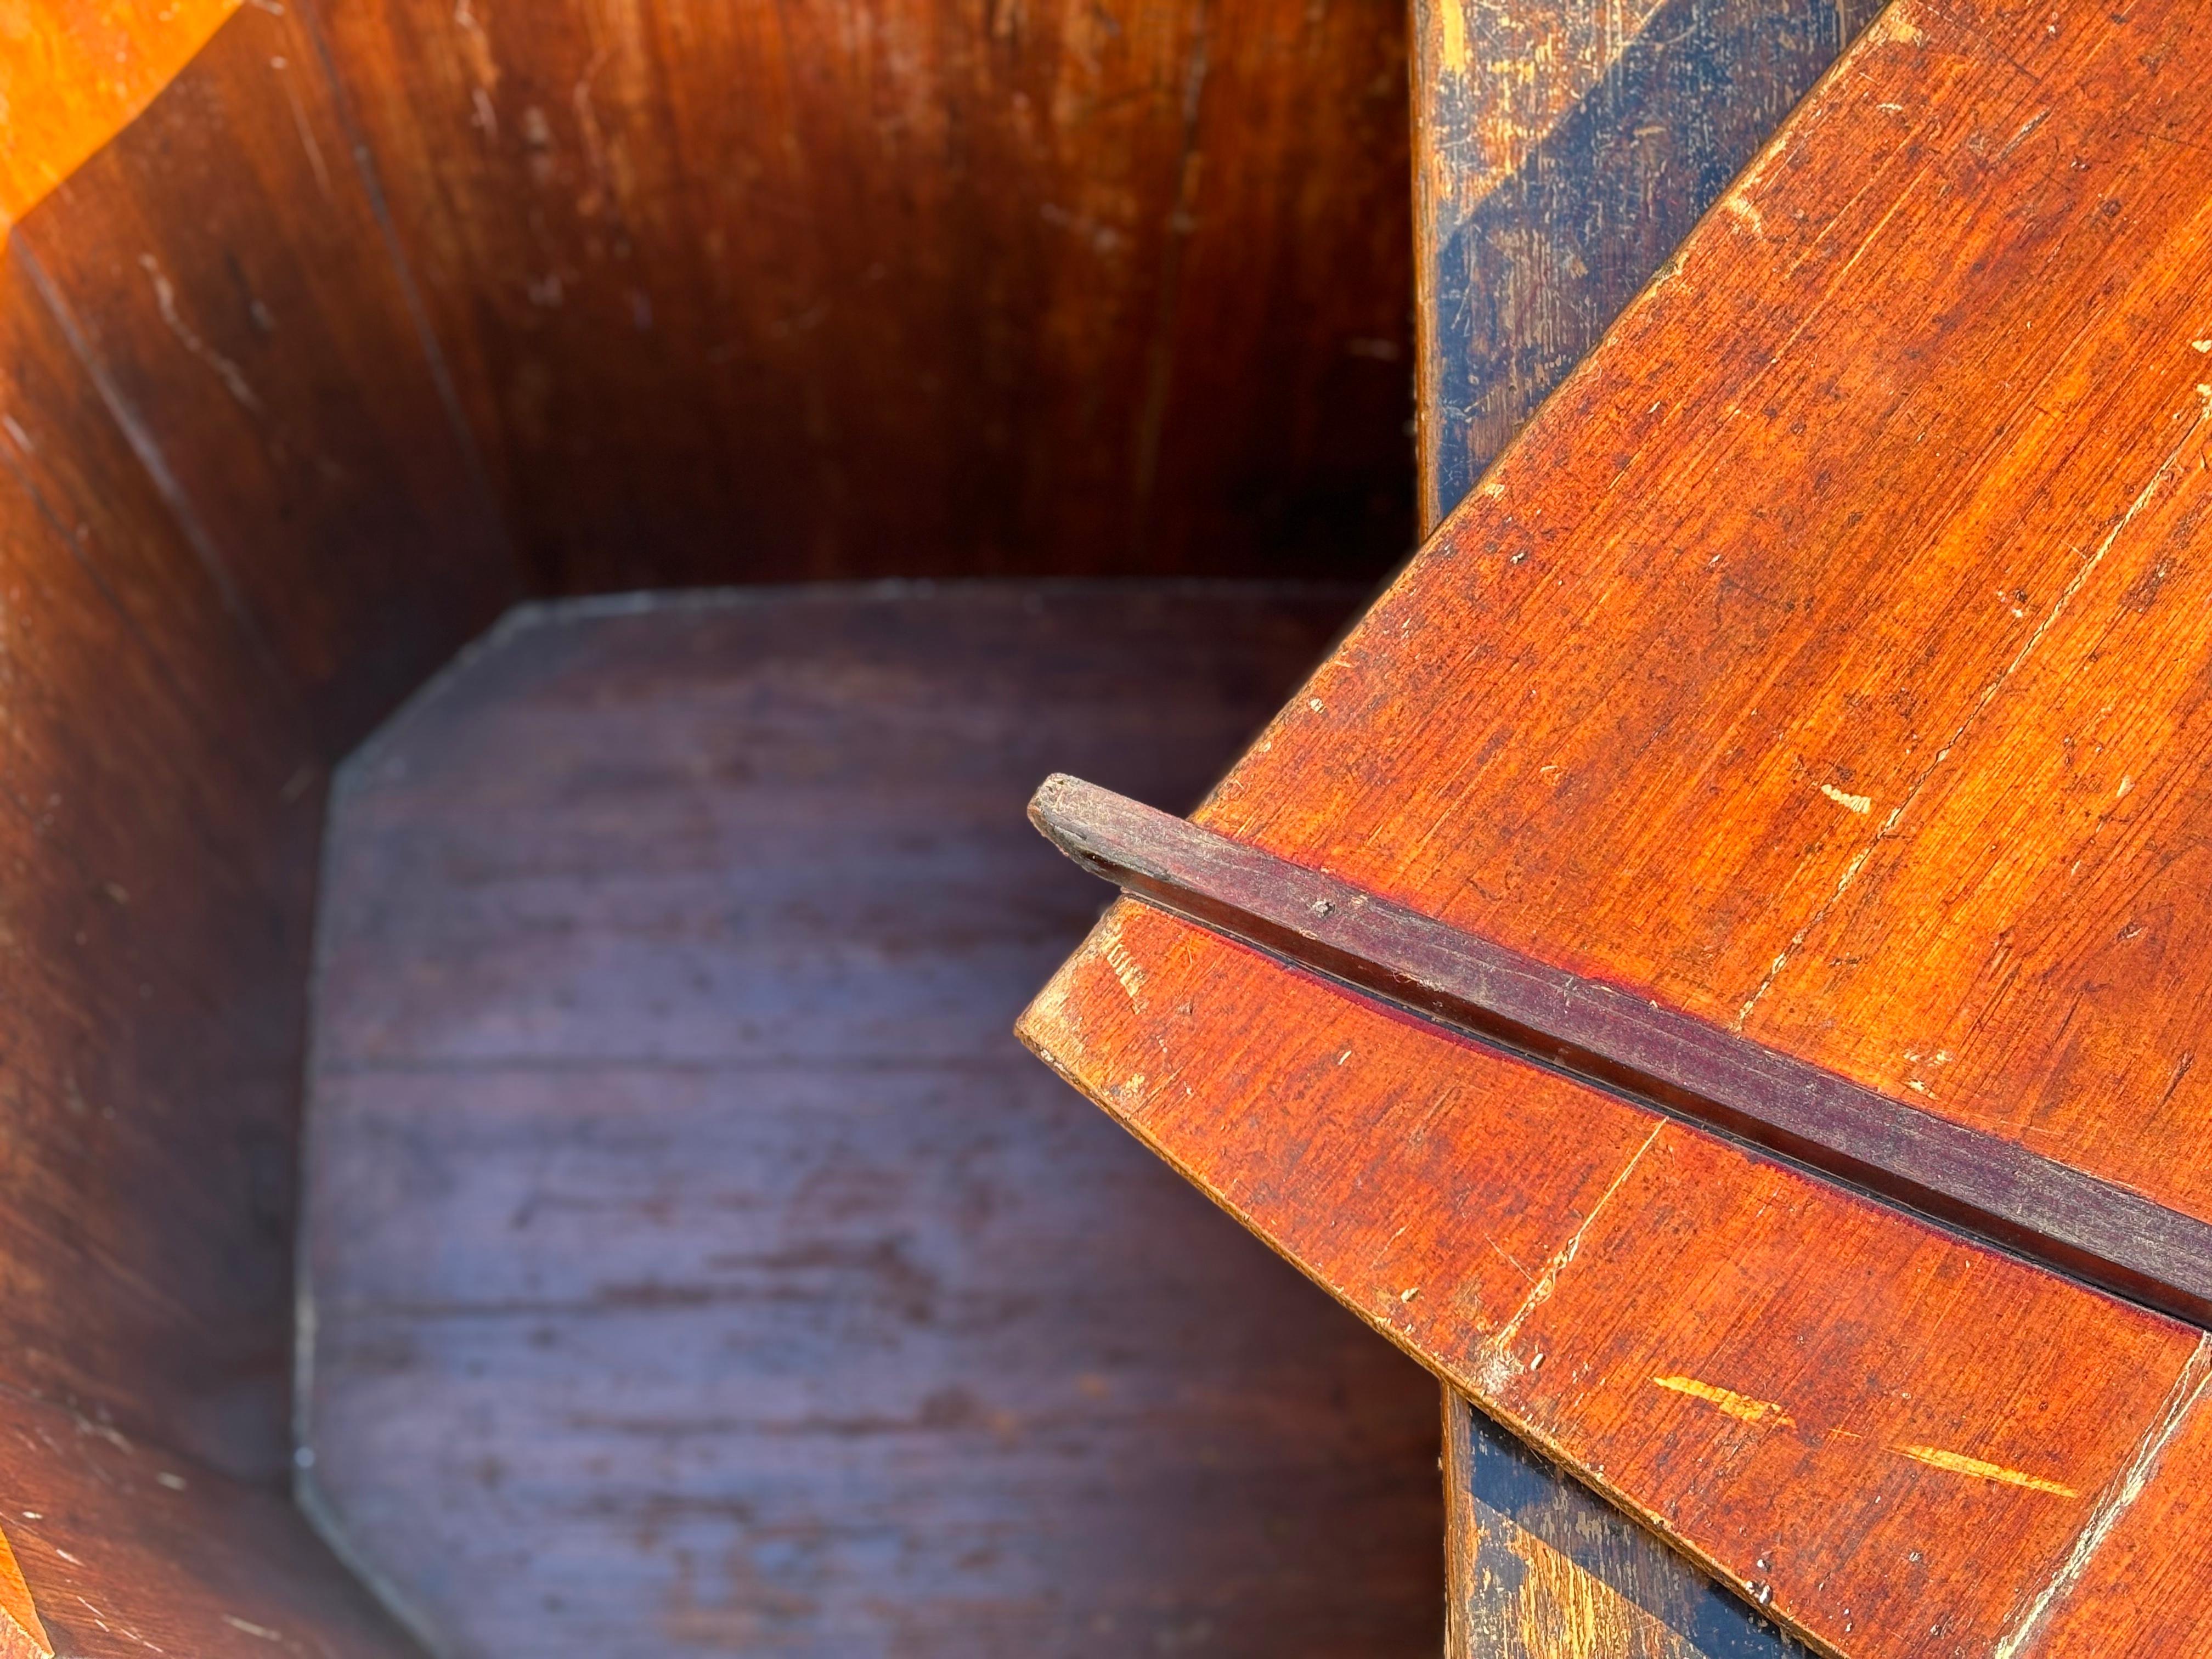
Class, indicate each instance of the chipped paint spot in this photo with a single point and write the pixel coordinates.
(2201, 346)
(1959, 1463)
(1741, 1407)
(1862, 804)
(1894, 25)
(1742, 210)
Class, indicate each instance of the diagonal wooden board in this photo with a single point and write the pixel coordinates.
(1825, 659)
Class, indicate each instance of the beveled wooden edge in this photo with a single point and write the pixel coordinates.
(2000, 1194)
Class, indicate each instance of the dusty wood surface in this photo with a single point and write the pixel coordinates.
(1562, 150)
(1822, 659)
(913, 286)
(682, 1205)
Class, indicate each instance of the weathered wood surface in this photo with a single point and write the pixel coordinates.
(158, 826)
(914, 286)
(1823, 661)
(700, 1267)
(225, 281)
(1562, 149)
(1543, 1567)
(1630, 1044)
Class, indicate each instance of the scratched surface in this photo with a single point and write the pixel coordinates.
(699, 1265)
(1563, 149)
(1824, 659)
(745, 292)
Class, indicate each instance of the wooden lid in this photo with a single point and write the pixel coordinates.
(1827, 661)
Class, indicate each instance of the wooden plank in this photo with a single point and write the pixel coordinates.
(683, 1206)
(1562, 151)
(1754, 679)
(159, 816)
(223, 275)
(1542, 1566)
(2045, 1212)
(759, 293)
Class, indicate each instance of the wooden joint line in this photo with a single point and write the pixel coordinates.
(2003, 1194)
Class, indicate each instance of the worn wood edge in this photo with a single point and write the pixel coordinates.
(1994, 1192)
(21, 1631)
(1032, 1029)
(65, 115)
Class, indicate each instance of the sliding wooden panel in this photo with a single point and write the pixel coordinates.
(914, 286)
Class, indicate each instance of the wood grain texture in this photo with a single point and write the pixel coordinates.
(1541, 1565)
(1562, 150)
(159, 818)
(1819, 660)
(912, 286)
(128, 1549)
(698, 1265)
(223, 273)
(73, 75)
(1630, 1044)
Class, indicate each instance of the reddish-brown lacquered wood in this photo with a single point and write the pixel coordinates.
(745, 292)
(1822, 661)
(1994, 1190)
(222, 272)
(681, 1204)
(126, 1549)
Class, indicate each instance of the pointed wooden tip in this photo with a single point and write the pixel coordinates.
(21, 1632)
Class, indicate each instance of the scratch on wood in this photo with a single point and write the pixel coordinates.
(1959, 1463)
(1500, 1366)
(1741, 1407)
(165, 299)
(2181, 1401)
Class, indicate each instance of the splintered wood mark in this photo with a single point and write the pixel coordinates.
(1959, 1463)
(2181, 1401)
(1741, 1407)
(1126, 970)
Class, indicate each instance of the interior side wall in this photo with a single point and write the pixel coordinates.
(161, 789)
(911, 287)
